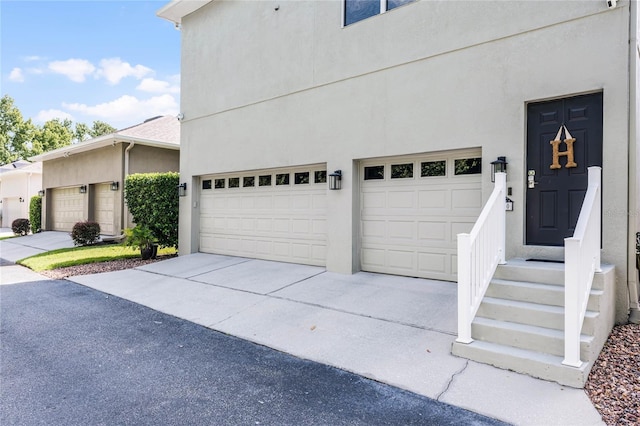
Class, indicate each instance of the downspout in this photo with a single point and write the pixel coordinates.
(632, 273)
(125, 211)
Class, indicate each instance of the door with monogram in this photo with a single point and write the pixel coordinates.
(564, 138)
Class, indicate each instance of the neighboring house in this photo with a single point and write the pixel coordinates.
(85, 181)
(19, 181)
(412, 105)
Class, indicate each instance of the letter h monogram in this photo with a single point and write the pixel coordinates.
(568, 153)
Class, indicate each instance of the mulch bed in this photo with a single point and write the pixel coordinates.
(99, 267)
(614, 382)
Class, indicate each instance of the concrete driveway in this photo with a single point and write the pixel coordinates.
(14, 249)
(396, 330)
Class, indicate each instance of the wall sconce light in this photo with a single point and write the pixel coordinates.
(83, 189)
(41, 193)
(114, 185)
(335, 180)
(182, 189)
(21, 199)
(498, 166)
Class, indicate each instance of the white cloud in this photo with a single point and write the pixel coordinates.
(49, 114)
(74, 69)
(127, 110)
(32, 58)
(16, 75)
(114, 70)
(152, 85)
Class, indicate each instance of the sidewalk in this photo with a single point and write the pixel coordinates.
(396, 330)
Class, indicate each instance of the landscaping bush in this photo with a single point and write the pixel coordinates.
(20, 226)
(152, 199)
(35, 214)
(85, 233)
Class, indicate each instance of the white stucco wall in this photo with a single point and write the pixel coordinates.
(264, 88)
(16, 185)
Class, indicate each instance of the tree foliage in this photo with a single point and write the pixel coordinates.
(21, 139)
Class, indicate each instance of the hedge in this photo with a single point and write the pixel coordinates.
(152, 199)
(85, 233)
(35, 214)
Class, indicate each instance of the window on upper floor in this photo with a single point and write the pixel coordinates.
(357, 10)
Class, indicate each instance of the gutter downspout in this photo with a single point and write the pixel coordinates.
(125, 211)
(632, 273)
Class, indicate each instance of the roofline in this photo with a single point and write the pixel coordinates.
(178, 9)
(101, 142)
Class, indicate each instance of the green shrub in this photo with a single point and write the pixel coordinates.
(85, 233)
(20, 226)
(152, 199)
(35, 214)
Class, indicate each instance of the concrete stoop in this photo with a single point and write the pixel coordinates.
(520, 323)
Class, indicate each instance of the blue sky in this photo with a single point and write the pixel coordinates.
(113, 61)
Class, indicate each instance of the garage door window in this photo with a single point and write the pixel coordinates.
(374, 172)
(468, 166)
(401, 171)
(206, 184)
(433, 168)
(248, 181)
(301, 178)
(320, 176)
(234, 182)
(264, 180)
(219, 183)
(282, 179)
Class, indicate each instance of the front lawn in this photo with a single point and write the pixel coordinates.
(82, 255)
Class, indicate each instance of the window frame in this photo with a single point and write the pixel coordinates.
(384, 8)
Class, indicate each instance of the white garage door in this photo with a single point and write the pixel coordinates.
(12, 210)
(68, 208)
(412, 208)
(269, 214)
(103, 207)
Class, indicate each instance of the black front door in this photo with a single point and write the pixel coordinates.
(556, 186)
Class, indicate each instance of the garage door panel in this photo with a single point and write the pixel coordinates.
(274, 222)
(409, 225)
(68, 208)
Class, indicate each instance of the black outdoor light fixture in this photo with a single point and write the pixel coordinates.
(83, 189)
(335, 180)
(115, 185)
(182, 189)
(41, 193)
(498, 166)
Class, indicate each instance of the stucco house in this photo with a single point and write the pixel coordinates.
(19, 181)
(410, 110)
(85, 181)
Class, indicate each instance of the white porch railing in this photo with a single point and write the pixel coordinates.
(479, 253)
(581, 261)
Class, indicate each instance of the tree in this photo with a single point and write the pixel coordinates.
(52, 135)
(100, 128)
(16, 134)
(21, 139)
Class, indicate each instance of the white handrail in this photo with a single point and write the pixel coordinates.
(479, 253)
(582, 261)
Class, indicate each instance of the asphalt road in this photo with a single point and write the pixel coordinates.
(70, 355)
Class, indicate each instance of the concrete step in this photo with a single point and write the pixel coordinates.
(535, 314)
(529, 337)
(535, 364)
(538, 272)
(546, 294)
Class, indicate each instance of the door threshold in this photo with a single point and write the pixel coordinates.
(544, 260)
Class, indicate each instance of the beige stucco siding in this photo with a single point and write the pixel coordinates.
(145, 159)
(264, 89)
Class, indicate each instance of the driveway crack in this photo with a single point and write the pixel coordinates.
(453, 376)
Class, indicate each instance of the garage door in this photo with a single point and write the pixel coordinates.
(11, 210)
(103, 207)
(68, 208)
(269, 214)
(412, 208)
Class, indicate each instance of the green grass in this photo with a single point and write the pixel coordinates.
(7, 237)
(82, 255)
